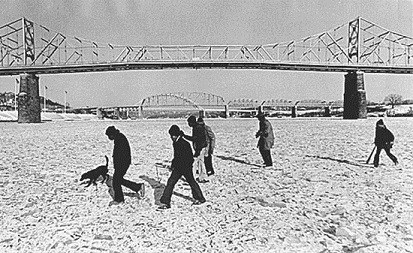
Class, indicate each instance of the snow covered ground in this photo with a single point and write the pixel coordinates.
(320, 197)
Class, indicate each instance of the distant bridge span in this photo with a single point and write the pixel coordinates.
(203, 102)
(178, 101)
(168, 101)
(360, 46)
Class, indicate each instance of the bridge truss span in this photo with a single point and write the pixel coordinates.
(244, 103)
(169, 100)
(27, 47)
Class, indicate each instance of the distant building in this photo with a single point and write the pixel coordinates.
(407, 102)
(7, 103)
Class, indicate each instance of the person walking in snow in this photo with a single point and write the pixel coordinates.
(266, 139)
(384, 139)
(181, 166)
(121, 162)
(199, 143)
(210, 147)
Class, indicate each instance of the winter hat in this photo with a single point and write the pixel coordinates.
(174, 130)
(192, 119)
(111, 131)
(380, 122)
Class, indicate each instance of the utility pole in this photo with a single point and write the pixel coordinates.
(45, 89)
(65, 100)
(16, 89)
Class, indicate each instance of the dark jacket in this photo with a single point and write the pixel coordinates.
(384, 137)
(198, 138)
(121, 150)
(266, 135)
(183, 157)
(210, 137)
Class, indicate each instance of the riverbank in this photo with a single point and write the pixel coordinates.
(11, 116)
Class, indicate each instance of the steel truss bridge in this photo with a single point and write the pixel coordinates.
(184, 100)
(209, 102)
(360, 45)
(202, 102)
(29, 49)
(283, 103)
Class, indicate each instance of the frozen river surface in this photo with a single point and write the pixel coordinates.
(320, 196)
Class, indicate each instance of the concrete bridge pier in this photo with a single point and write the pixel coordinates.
(355, 105)
(294, 111)
(226, 111)
(327, 111)
(123, 113)
(201, 114)
(116, 112)
(127, 113)
(99, 113)
(29, 99)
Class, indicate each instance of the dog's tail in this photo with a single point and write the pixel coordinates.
(107, 160)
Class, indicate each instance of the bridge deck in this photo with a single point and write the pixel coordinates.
(159, 65)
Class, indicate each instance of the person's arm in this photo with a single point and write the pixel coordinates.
(188, 137)
(389, 139)
(391, 136)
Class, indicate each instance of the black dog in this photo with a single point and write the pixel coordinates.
(94, 174)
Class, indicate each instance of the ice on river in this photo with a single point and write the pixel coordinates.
(320, 196)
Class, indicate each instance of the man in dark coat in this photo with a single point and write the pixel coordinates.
(384, 139)
(181, 166)
(121, 163)
(199, 143)
(266, 139)
(210, 147)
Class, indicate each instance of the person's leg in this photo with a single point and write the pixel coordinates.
(117, 185)
(208, 165)
(268, 160)
(131, 185)
(109, 183)
(391, 156)
(377, 157)
(201, 166)
(262, 152)
(266, 156)
(195, 167)
(138, 188)
(195, 189)
(167, 192)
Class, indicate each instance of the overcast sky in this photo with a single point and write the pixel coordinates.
(194, 22)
